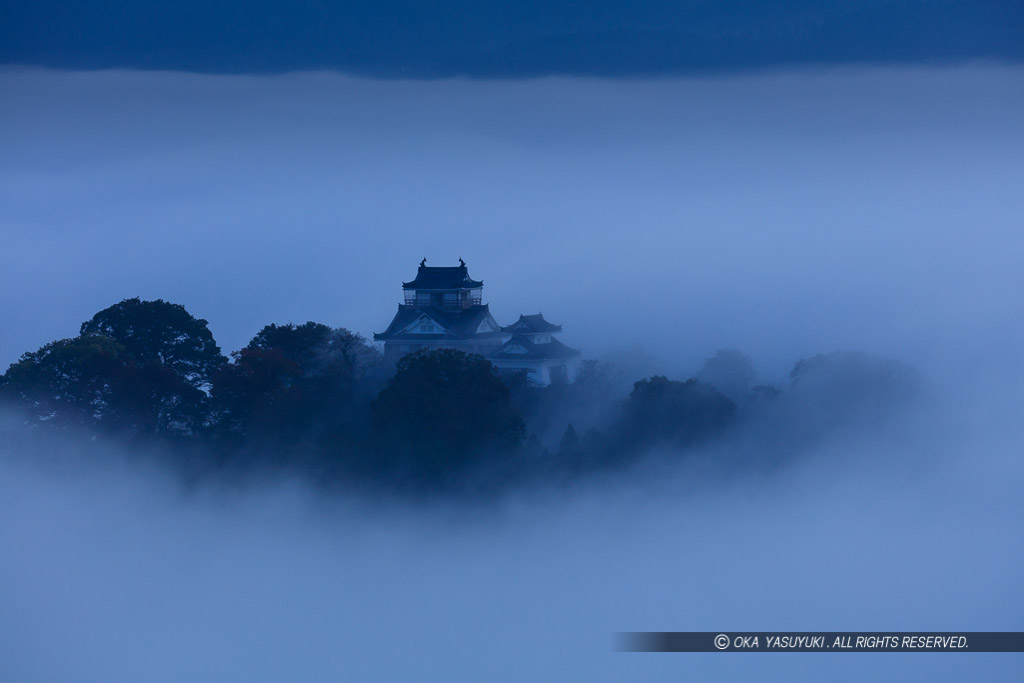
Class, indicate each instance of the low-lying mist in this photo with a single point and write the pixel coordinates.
(117, 570)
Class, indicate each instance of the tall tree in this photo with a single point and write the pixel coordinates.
(162, 333)
(569, 447)
(680, 414)
(845, 387)
(442, 412)
(342, 356)
(79, 381)
(731, 372)
(296, 382)
(257, 396)
(92, 381)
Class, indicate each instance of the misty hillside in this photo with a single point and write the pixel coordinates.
(322, 401)
(506, 39)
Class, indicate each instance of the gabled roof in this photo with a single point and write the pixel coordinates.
(531, 324)
(519, 347)
(431, 277)
(430, 321)
(458, 324)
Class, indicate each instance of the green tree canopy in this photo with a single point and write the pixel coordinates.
(258, 393)
(320, 350)
(92, 381)
(70, 381)
(661, 410)
(294, 380)
(162, 333)
(844, 387)
(442, 411)
(731, 372)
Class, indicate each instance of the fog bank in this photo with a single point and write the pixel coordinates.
(118, 573)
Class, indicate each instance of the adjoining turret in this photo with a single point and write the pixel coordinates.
(533, 327)
(532, 347)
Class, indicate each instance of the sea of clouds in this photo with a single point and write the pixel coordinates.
(786, 214)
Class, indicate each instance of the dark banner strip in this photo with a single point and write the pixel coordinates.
(821, 641)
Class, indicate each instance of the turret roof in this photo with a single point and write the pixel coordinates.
(532, 324)
(519, 347)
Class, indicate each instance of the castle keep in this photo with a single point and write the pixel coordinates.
(444, 309)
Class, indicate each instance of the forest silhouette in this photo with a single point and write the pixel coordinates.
(321, 400)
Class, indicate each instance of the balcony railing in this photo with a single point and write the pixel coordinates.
(441, 301)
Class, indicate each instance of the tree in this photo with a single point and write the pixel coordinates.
(731, 372)
(140, 366)
(296, 384)
(300, 344)
(661, 410)
(162, 333)
(442, 412)
(92, 381)
(342, 356)
(569, 448)
(255, 395)
(847, 387)
(79, 381)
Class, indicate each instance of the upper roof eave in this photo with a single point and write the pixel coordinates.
(435, 278)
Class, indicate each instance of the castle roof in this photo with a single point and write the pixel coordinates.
(474, 322)
(531, 324)
(438, 277)
(519, 347)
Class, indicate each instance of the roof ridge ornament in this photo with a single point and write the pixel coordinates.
(423, 263)
(461, 262)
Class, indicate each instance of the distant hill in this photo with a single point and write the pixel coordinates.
(511, 38)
